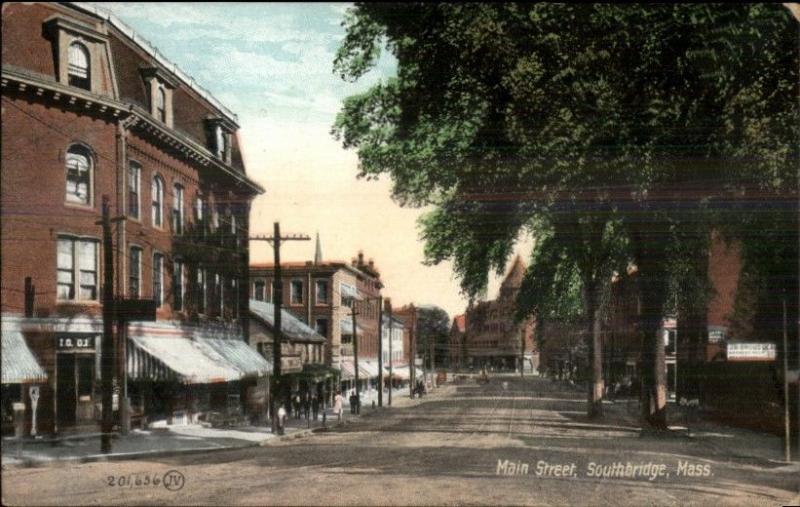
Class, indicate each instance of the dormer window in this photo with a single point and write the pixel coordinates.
(161, 103)
(219, 131)
(160, 86)
(78, 66)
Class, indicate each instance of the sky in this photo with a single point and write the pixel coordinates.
(271, 64)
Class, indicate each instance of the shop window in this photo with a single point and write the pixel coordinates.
(321, 327)
(177, 286)
(258, 291)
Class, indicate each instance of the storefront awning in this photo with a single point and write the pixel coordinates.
(238, 354)
(181, 358)
(370, 367)
(19, 364)
(401, 372)
(348, 370)
(346, 326)
(349, 292)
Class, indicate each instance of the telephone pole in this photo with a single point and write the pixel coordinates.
(413, 365)
(388, 304)
(107, 352)
(277, 299)
(380, 350)
(353, 313)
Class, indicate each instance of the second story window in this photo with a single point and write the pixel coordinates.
(79, 175)
(77, 269)
(258, 290)
(177, 210)
(158, 278)
(78, 66)
(296, 290)
(321, 292)
(134, 182)
(157, 196)
(135, 270)
(177, 286)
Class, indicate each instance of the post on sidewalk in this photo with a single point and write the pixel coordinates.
(388, 304)
(380, 350)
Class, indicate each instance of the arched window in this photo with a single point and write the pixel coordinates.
(78, 68)
(79, 175)
(157, 195)
(161, 104)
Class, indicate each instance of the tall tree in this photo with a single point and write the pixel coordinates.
(502, 112)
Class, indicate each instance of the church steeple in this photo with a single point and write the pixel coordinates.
(318, 252)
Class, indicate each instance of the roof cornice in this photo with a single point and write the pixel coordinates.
(49, 90)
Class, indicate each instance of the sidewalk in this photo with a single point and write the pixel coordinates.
(718, 439)
(171, 440)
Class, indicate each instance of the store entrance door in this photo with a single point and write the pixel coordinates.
(65, 390)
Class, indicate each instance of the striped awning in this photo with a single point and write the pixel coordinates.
(348, 291)
(348, 370)
(371, 367)
(176, 357)
(401, 372)
(19, 364)
(346, 326)
(238, 354)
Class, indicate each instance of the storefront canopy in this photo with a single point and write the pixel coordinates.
(19, 364)
(238, 354)
(181, 358)
(401, 372)
(349, 292)
(348, 370)
(346, 326)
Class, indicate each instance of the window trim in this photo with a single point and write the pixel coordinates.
(327, 292)
(292, 291)
(131, 248)
(160, 297)
(131, 165)
(179, 265)
(178, 222)
(74, 240)
(157, 179)
(90, 155)
(81, 45)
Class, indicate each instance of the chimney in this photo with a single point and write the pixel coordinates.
(353, 262)
(360, 258)
(371, 264)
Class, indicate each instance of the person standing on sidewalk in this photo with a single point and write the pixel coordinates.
(306, 405)
(281, 419)
(338, 402)
(315, 405)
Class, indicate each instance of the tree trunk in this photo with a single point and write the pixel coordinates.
(652, 289)
(595, 342)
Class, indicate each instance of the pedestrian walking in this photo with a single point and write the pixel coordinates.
(353, 401)
(315, 405)
(338, 403)
(281, 419)
(296, 403)
(306, 405)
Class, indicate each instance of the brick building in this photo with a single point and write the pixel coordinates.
(456, 346)
(493, 338)
(321, 294)
(92, 111)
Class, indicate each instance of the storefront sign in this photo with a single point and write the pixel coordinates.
(751, 352)
(75, 342)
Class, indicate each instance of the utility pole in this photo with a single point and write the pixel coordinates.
(388, 304)
(380, 350)
(277, 299)
(432, 349)
(522, 355)
(353, 313)
(787, 429)
(108, 362)
(413, 365)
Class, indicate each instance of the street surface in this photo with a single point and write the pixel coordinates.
(465, 445)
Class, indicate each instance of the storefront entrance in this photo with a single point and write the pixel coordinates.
(75, 375)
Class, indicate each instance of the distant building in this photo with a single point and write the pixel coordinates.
(456, 342)
(320, 294)
(493, 338)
